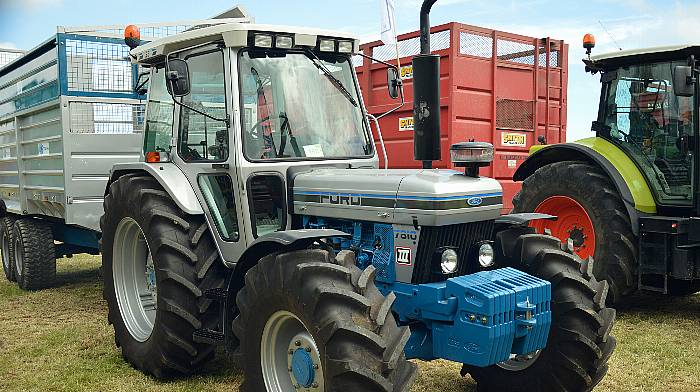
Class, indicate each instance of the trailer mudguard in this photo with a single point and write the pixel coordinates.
(621, 170)
(170, 178)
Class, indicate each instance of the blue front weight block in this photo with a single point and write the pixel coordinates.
(478, 319)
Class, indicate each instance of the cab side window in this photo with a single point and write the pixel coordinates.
(159, 123)
(204, 138)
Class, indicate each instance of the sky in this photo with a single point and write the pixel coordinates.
(622, 23)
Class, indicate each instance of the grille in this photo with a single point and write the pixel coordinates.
(515, 51)
(438, 41)
(98, 67)
(462, 236)
(475, 45)
(514, 114)
(106, 118)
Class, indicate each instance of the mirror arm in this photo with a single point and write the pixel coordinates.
(399, 82)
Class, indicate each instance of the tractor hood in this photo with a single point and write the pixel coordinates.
(418, 197)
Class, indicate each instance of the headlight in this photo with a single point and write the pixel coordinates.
(284, 42)
(345, 46)
(263, 40)
(486, 258)
(327, 45)
(449, 261)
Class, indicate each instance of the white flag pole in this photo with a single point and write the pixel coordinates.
(388, 31)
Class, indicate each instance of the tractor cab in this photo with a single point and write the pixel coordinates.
(648, 109)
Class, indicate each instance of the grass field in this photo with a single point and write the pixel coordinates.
(59, 340)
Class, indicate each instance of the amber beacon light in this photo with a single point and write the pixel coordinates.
(588, 43)
(132, 36)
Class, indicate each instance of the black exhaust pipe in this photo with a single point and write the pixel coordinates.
(426, 96)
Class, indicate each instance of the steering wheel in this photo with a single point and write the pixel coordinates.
(254, 130)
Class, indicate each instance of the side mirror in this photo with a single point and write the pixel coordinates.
(683, 81)
(394, 82)
(177, 75)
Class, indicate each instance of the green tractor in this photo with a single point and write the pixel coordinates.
(629, 196)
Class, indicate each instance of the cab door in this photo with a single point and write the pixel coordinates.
(204, 146)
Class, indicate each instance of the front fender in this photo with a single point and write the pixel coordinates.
(622, 171)
(170, 177)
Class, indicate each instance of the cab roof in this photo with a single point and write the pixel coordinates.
(642, 55)
(232, 35)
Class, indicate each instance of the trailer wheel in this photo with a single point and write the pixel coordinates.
(591, 213)
(578, 346)
(308, 322)
(34, 254)
(158, 262)
(8, 243)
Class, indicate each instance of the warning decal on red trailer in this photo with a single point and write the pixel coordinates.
(513, 139)
(406, 72)
(406, 124)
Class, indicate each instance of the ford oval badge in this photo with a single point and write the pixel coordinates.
(474, 201)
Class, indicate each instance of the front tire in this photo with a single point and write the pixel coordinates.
(34, 254)
(578, 346)
(309, 321)
(158, 262)
(595, 215)
(7, 243)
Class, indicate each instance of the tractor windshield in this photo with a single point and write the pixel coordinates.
(652, 125)
(299, 106)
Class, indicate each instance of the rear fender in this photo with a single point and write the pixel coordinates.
(624, 174)
(170, 178)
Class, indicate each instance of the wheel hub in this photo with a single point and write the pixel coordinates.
(19, 258)
(302, 368)
(289, 357)
(5, 241)
(577, 236)
(303, 361)
(572, 223)
(134, 276)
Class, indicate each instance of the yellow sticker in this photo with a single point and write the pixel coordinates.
(406, 72)
(513, 139)
(406, 124)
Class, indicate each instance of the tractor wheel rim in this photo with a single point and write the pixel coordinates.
(19, 257)
(5, 240)
(133, 274)
(517, 363)
(573, 222)
(289, 357)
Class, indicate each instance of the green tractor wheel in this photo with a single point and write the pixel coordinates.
(590, 215)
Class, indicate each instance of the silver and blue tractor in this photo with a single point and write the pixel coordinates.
(259, 220)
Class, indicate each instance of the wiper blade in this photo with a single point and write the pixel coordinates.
(337, 83)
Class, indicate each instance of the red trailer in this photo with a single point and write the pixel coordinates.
(497, 87)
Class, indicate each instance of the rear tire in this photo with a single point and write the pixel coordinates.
(578, 346)
(7, 244)
(159, 341)
(344, 320)
(34, 254)
(616, 251)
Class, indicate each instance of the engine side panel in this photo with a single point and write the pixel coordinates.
(408, 197)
